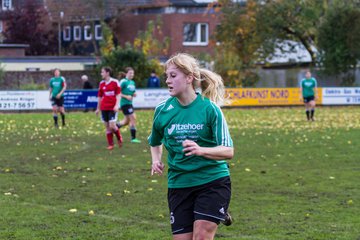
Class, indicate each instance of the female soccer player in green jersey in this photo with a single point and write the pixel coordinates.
(308, 91)
(128, 92)
(57, 88)
(194, 131)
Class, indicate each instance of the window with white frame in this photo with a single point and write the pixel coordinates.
(6, 4)
(67, 34)
(195, 34)
(87, 32)
(98, 32)
(77, 33)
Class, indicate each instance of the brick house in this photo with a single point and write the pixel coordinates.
(189, 24)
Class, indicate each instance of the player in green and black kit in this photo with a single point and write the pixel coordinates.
(308, 90)
(57, 89)
(128, 92)
(194, 132)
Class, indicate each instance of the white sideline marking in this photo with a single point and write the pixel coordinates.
(127, 220)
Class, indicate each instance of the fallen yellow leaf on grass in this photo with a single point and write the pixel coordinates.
(91, 212)
(73, 210)
(109, 194)
(247, 169)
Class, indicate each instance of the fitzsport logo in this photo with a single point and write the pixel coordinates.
(184, 127)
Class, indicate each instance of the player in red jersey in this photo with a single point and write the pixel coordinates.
(108, 103)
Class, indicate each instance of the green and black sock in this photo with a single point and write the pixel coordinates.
(63, 118)
(55, 119)
(133, 132)
(312, 112)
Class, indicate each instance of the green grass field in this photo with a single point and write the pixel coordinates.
(291, 179)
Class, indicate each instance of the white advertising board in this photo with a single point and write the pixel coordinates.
(24, 100)
(150, 98)
(340, 96)
(39, 100)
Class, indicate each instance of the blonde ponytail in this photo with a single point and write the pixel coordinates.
(212, 86)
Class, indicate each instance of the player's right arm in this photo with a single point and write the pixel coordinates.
(155, 142)
(100, 96)
(50, 90)
(98, 106)
(301, 90)
(157, 166)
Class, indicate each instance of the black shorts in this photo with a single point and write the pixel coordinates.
(209, 202)
(57, 101)
(127, 109)
(309, 99)
(109, 116)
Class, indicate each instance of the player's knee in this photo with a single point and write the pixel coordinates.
(202, 234)
(204, 230)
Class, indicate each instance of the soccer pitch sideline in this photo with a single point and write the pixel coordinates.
(291, 179)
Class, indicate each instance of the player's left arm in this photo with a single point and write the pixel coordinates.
(62, 90)
(128, 97)
(221, 134)
(216, 153)
(117, 104)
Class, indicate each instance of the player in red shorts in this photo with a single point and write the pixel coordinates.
(108, 103)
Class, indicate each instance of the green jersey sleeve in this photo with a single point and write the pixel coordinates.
(219, 127)
(156, 135)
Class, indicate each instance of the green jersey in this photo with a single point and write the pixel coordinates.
(56, 84)
(201, 121)
(127, 88)
(308, 87)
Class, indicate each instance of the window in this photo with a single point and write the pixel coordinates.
(87, 32)
(195, 34)
(1, 26)
(6, 4)
(98, 32)
(77, 33)
(67, 34)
